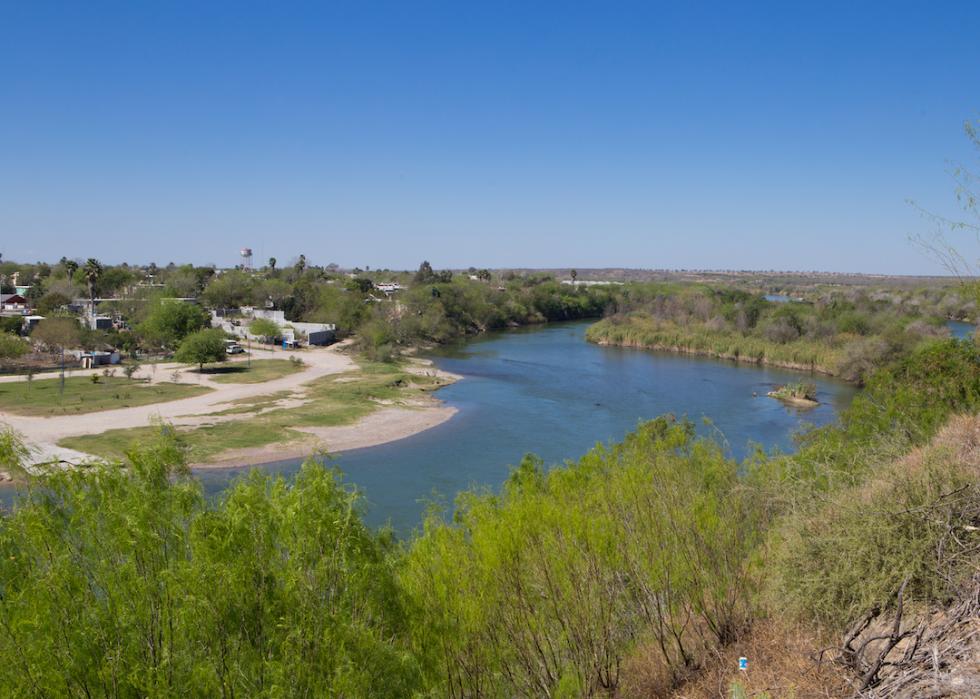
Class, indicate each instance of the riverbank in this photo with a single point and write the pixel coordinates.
(329, 401)
(389, 422)
(367, 405)
(714, 354)
(381, 427)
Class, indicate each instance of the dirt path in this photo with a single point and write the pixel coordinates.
(45, 432)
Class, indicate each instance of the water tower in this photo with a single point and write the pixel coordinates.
(247, 259)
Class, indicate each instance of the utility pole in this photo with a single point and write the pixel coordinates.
(62, 372)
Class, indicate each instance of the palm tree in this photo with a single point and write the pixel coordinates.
(272, 263)
(70, 268)
(93, 271)
(301, 264)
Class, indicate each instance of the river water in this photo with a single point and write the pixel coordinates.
(548, 391)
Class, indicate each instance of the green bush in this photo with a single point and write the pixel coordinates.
(129, 582)
(12, 347)
(650, 538)
(913, 519)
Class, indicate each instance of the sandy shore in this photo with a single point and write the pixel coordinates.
(380, 427)
(386, 424)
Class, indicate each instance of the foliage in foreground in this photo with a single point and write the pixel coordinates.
(545, 588)
(126, 581)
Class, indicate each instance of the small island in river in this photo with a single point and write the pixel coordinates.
(802, 395)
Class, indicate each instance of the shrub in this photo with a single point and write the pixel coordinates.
(12, 347)
(130, 576)
(914, 519)
(650, 537)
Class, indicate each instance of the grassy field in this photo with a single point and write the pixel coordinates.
(260, 371)
(44, 398)
(332, 400)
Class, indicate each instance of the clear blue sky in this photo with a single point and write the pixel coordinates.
(721, 135)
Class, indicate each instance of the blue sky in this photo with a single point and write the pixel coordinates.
(680, 135)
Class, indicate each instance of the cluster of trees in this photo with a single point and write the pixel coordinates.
(446, 308)
(845, 333)
(438, 306)
(126, 579)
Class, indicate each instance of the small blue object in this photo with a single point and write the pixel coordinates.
(743, 663)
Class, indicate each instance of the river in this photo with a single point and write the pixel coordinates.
(548, 391)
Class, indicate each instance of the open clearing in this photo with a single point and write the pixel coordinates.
(260, 371)
(44, 397)
(297, 407)
(330, 401)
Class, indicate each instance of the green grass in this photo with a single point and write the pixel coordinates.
(796, 391)
(332, 400)
(260, 371)
(44, 398)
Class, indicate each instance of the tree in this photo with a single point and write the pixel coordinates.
(52, 301)
(230, 290)
(93, 272)
(301, 264)
(425, 275)
(362, 285)
(11, 346)
(573, 274)
(57, 333)
(272, 263)
(202, 347)
(264, 328)
(70, 268)
(170, 321)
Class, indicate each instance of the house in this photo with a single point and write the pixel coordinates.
(98, 322)
(13, 304)
(315, 333)
(30, 322)
(96, 358)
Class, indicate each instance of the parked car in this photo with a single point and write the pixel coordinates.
(232, 347)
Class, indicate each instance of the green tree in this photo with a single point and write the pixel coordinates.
(425, 274)
(93, 271)
(230, 290)
(265, 329)
(361, 285)
(170, 321)
(12, 347)
(52, 301)
(58, 333)
(272, 263)
(202, 347)
(70, 268)
(11, 324)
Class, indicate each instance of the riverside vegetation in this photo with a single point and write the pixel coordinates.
(844, 334)
(627, 572)
(840, 330)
